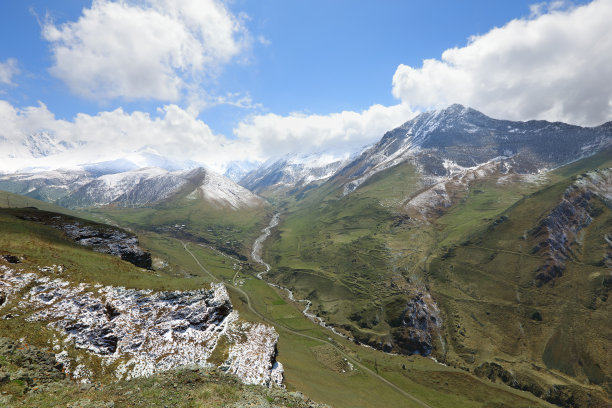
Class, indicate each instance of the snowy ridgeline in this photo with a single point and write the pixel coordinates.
(132, 188)
(140, 332)
(466, 139)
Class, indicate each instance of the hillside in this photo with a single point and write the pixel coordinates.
(335, 371)
(381, 259)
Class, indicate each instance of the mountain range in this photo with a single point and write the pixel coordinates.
(483, 243)
(441, 143)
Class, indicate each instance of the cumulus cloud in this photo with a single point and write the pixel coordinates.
(554, 65)
(174, 133)
(151, 49)
(178, 134)
(8, 69)
(272, 135)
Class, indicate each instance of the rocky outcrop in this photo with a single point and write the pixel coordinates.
(558, 394)
(11, 259)
(141, 332)
(419, 321)
(100, 238)
(560, 230)
(28, 367)
(114, 242)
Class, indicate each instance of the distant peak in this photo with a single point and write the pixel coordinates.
(456, 107)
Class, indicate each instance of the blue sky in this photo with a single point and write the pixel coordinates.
(323, 56)
(284, 62)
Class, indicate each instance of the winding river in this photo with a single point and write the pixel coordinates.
(256, 254)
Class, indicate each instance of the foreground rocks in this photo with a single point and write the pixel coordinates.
(138, 333)
(30, 377)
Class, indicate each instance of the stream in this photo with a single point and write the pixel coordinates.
(256, 254)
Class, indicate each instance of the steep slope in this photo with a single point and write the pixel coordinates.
(99, 331)
(459, 136)
(528, 291)
(293, 171)
(367, 254)
(47, 185)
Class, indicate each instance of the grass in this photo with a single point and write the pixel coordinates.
(227, 229)
(305, 370)
(357, 259)
(348, 255)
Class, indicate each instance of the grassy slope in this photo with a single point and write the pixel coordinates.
(192, 219)
(336, 251)
(352, 256)
(310, 366)
(486, 287)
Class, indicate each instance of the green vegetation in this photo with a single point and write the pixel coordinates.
(359, 258)
(229, 230)
(314, 364)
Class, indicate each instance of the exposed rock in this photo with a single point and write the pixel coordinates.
(114, 242)
(30, 366)
(561, 228)
(146, 331)
(11, 259)
(100, 238)
(253, 355)
(568, 396)
(419, 321)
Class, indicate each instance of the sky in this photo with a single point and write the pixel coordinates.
(217, 81)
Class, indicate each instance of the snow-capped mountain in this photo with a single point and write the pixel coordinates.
(125, 188)
(459, 137)
(223, 192)
(32, 146)
(133, 188)
(46, 185)
(140, 187)
(236, 170)
(293, 171)
(145, 157)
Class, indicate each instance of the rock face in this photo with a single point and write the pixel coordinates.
(559, 394)
(117, 242)
(561, 229)
(419, 321)
(101, 238)
(140, 332)
(36, 368)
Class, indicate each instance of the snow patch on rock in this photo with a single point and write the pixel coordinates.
(143, 331)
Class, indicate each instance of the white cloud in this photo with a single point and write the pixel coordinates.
(272, 135)
(174, 133)
(8, 69)
(151, 49)
(177, 134)
(556, 65)
(263, 40)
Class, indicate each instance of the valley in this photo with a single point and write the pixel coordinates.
(461, 261)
